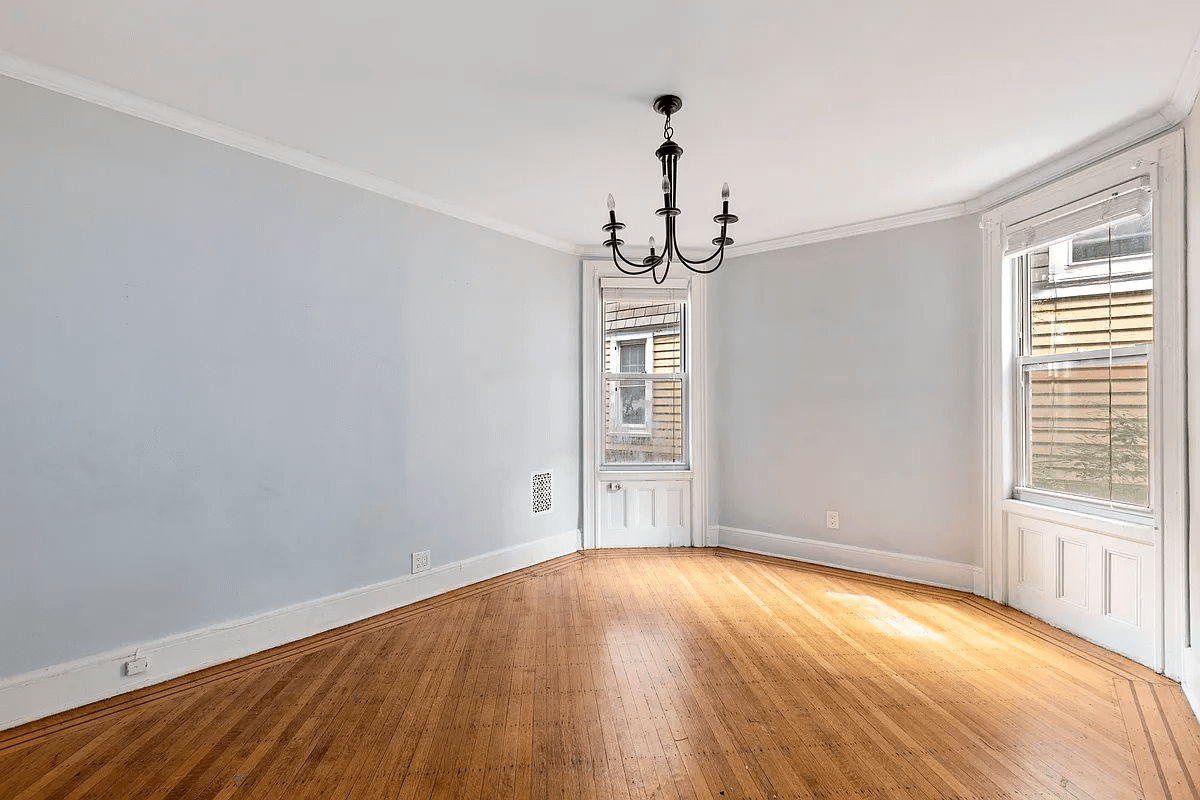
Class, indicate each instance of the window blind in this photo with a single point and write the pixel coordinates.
(1042, 232)
(672, 290)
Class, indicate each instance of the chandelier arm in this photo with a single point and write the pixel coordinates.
(720, 251)
(693, 264)
(638, 269)
(666, 256)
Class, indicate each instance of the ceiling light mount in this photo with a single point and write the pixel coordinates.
(668, 104)
(668, 154)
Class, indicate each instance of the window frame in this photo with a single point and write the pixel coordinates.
(678, 291)
(1161, 159)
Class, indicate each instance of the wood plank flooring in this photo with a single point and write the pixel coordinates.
(642, 674)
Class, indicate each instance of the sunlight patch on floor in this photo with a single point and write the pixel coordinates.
(886, 618)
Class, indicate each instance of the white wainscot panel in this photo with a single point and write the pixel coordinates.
(1073, 571)
(646, 513)
(1100, 587)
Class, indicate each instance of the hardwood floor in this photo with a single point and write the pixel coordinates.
(639, 674)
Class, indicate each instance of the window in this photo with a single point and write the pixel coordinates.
(633, 395)
(1084, 342)
(644, 377)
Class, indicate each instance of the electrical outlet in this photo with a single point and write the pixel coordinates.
(831, 519)
(136, 666)
(420, 561)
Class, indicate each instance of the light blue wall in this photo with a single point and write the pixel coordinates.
(227, 385)
(847, 377)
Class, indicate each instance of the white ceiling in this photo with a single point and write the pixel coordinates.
(817, 113)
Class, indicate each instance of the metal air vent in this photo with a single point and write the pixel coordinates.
(543, 498)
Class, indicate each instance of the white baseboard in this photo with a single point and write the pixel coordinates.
(1191, 677)
(47, 691)
(918, 569)
(712, 536)
(981, 588)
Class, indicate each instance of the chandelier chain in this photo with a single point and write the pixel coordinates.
(668, 131)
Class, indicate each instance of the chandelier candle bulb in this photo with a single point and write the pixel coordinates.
(724, 194)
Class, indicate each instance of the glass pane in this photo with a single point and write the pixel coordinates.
(1093, 291)
(631, 404)
(643, 336)
(1089, 431)
(633, 356)
(1128, 238)
(643, 422)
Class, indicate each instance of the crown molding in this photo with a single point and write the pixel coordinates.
(1188, 86)
(72, 85)
(853, 229)
(1094, 150)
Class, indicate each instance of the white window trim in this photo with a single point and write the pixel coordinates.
(1161, 160)
(699, 436)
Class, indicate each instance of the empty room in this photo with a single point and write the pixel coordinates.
(629, 400)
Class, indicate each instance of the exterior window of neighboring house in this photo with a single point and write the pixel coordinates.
(644, 379)
(1085, 335)
(632, 395)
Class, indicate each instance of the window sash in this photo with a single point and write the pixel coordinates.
(1023, 488)
(643, 376)
(636, 291)
(1116, 355)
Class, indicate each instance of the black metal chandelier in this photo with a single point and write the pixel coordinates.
(668, 153)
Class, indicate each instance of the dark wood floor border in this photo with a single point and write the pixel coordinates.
(1118, 665)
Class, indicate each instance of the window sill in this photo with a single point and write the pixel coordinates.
(1143, 532)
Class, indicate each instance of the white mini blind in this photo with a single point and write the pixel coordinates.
(672, 290)
(1042, 232)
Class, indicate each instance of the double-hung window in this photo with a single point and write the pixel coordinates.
(644, 376)
(1084, 351)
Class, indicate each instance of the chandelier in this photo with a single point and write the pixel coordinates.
(668, 153)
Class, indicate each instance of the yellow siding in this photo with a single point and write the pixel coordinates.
(1084, 323)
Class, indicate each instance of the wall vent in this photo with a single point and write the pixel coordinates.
(543, 498)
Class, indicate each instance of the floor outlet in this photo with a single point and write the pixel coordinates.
(136, 666)
(831, 520)
(420, 561)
